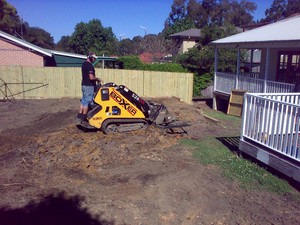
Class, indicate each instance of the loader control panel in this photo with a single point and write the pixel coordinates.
(104, 94)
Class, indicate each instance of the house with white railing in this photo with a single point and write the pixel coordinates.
(270, 77)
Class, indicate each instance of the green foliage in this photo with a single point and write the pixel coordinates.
(222, 116)
(9, 19)
(246, 173)
(200, 59)
(134, 63)
(166, 67)
(206, 13)
(199, 62)
(227, 60)
(281, 9)
(202, 82)
(131, 62)
(39, 37)
(178, 12)
(238, 13)
(276, 11)
(293, 6)
(93, 37)
(126, 47)
(10, 23)
(178, 26)
(64, 44)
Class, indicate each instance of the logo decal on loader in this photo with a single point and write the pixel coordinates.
(123, 103)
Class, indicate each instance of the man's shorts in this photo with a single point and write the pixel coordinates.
(87, 95)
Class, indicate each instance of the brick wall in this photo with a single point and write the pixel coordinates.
(11, 54)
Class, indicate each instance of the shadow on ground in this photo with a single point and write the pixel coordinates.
(51, 209)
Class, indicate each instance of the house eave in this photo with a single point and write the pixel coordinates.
(54, 52)
(262, 44)
(25, 44)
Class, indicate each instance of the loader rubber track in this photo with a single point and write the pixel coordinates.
(123, 125)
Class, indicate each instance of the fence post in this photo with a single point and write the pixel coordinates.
(238, 65)
(266, 71)
(215, 79)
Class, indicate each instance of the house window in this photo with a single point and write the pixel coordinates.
(251, 63)
(288, 67)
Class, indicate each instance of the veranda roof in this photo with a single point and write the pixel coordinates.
(283, 33)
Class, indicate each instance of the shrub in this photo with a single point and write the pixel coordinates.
(134, 63)
(201, 82)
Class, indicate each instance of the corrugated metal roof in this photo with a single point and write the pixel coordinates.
(281, 31)
(25, 44)
(188, 33)
(54, 52)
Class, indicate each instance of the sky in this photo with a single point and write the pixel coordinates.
(127, 18)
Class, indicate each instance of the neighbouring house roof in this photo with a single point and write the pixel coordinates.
(62, 59)
(25, 44)
(283, 33)
(66, 59)
(68, 54)
(195, 33)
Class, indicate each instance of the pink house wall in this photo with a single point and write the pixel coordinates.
(11, 54)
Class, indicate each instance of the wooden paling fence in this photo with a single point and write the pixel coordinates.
(20, 82)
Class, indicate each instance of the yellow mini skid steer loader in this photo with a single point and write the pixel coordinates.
(115, 108)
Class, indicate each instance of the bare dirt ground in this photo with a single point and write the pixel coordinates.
(53, 173)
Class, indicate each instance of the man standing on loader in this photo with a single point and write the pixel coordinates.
(88, 84)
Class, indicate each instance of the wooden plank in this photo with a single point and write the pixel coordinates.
(235, 105)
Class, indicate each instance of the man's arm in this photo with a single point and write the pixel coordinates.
(93, 77)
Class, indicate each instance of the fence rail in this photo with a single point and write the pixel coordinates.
(273, 121)
(59, 82)
(225, 82)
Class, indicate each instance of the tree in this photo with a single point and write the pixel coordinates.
(186, 14)
(276, 12)
(154, 43)
(178, 19)
(281, 9)
(9, 20)
(10, 23)
(200, 59)
(178, 26)
(126, 47)
(93, 37)
(178, 12)
(293, 6)
(64, 44)
(130, 62)
(199, 12)
(239, 13)
(38, 36)
(138, 48)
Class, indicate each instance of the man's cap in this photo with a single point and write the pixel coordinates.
(92, 55)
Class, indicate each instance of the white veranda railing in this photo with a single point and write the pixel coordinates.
(225, 82)
(273, 120)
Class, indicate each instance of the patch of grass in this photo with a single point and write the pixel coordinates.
(247, 174)
(222, 116)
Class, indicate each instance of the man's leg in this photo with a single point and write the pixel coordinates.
(84, 113)
(87, 97)
(81, 116)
